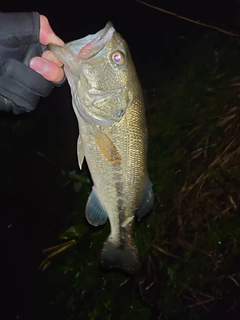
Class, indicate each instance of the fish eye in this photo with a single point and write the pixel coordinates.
(118, 58)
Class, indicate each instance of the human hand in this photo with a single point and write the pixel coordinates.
(48, 65)
(27, 71)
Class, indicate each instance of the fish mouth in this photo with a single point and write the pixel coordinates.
(84, 48)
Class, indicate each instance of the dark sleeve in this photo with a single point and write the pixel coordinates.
(20, 86)
(19, 28)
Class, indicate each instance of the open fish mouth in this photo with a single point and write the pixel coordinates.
(84, 48)
(91, 100)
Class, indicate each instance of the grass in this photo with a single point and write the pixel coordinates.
(194, 166)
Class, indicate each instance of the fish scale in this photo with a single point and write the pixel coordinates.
(108, 102)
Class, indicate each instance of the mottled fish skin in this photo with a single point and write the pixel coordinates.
(108, 103)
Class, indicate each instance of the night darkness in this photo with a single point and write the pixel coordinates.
(152, 36)
(150, 33)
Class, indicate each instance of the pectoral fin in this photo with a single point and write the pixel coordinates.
(95, 213)
(147, 202)
(107, 148)
(80, 152)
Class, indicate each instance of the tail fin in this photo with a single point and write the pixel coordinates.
(120, 256)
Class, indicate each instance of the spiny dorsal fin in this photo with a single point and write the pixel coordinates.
(147, 201)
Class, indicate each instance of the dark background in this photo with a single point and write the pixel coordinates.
(149, 32)
(30, 201)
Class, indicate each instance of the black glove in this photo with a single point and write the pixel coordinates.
(20, 86)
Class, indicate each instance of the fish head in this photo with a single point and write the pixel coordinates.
(101, 75)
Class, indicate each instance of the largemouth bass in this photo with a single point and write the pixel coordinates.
(108, 103)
